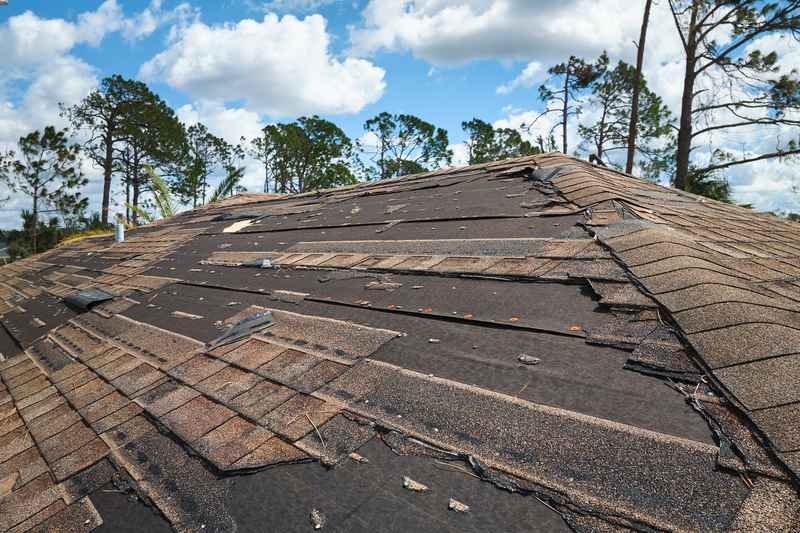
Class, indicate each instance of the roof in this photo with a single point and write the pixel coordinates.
(532, 341)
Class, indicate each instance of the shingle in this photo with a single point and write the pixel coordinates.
(743, 343)
(298, 416)
(27, 501)
(228, 383)
(231, 441)
(764, 383)
(253, 353)
(166, 397)
(274, 451)
(337, 439)
(53, 421)
(79, 459)
(28, 464)
(734, 313)
(88, 393)
(197, 369)
(196, 418)
(261, 399)
(133, 382)
(65, 442)
(116, 418)
(287, 367)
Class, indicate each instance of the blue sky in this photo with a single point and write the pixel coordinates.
(239, 64)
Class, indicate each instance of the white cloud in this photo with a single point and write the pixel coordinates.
(93, 26)
(532, 73)
(279, 66)
(229, 123)
(144, 23)
(295, 6)
(460, 154)
(36, 60)
(447, 32)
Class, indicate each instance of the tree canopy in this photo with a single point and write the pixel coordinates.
(486, 143)
(730, 84)
(47, 169)
(562, 90)
(404, 144)
(308, 154)
(612, 96)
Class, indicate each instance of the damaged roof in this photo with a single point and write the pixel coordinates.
(536, 343)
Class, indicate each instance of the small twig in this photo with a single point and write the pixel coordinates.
(317, 430)
(546, 504)
(453, 468)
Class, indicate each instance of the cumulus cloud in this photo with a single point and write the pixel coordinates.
(37, 63)
(230, 123)
(295, 6)
(448, 32)
(279, 66)
(147, 21)
(532, 73)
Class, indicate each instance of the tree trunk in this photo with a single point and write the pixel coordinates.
(565, 111)
(136, 187)
(35, 236)
(637, 80)
(687, 100)
(135, 214)
(108, 162)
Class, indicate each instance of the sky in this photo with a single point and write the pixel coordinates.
(237, 65)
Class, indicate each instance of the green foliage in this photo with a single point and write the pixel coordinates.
(741, 84)
(708, 184)
(486, 143)
(306, 155)
(204, 154)
(404, 144)
(563, 89)
(152, 138)
(47, 169)
(49, 234)
(227, 186)
(612, 95)
(107, 119)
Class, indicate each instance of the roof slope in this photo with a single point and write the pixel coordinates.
(620, 354)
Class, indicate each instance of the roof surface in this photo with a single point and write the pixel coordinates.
(532, 344)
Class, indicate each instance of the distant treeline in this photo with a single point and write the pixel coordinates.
(728, 86)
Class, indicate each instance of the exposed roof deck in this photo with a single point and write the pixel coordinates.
(552, 344)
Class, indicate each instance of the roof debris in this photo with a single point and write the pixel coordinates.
(317, 519)
(414, 486)
(190, 375)
(457, 506)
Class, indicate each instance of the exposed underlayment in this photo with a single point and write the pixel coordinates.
(533, 344)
